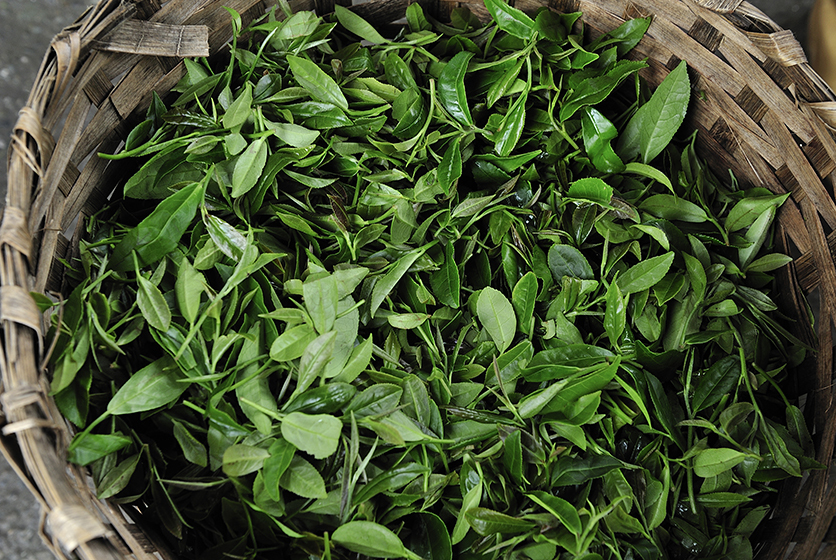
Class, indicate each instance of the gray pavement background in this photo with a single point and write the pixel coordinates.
(26, 28)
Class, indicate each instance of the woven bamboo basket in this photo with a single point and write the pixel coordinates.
(761, 111)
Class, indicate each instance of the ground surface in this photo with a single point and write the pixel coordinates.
(26, 27)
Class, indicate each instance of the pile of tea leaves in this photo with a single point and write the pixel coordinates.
(461, 293)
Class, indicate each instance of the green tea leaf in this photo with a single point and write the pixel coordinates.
(314, 358)
(615, 315)
(188, 287)
(319, 85)
(389, 280)
(450, 167)
(523, 299)
(591, 189)
(321, 300)
(303, 479)
(714, 461)
(768, 263)
(656, 122)
(560, 508)
(153, 386)
(87, 448)
(489, 522)
(747, 210)
(451, 89)
(357, 25)
(292, 343)
(719, 380)
(239, 110)
(510, 19)
(407, 321)
(497, 315)
(370, 539)
(431, 539)
(565, 260)
(597, 132)
(152, 304)
(358, 361)
(241, 460)
(446, 282)
(646, 274)
(118, 478)
(671, 207)
(317, 434)
(159, 233)
(644, 170)
(248, 167)
(722, 499)
(511, 128)
(193, 450)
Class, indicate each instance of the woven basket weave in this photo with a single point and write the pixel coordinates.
(760, 111)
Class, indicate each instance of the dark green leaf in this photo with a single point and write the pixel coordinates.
(568, 471)
(565, 260)
(489, 522)
(720, 379)
(159, 233)
(450, 167)
(118, 478)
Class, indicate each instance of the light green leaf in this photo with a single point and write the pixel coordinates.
(152, 304)
(317, 434)
(188, 287)
(388, 281)
(314, 358)
(496, 314)
(319, 85)
(291, 344)
(248, 167)
(592, 189)
(358, 25)
(371, 539)
(407, 321)
(645, 274)
(294, 134)
(153, 386)
(711, 462)
(241, 460)
(303, 479)
(672, 207)
(321, 300)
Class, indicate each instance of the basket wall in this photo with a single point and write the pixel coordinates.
(759, 109)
